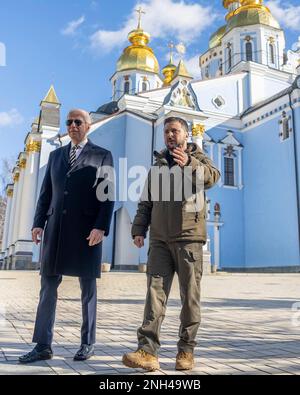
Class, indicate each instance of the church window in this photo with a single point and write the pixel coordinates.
(126, 87)
(144, 86)
(249, 52)
(229, 53)
(207, 72)
(271, 53)
(114, 88)
(229, 171)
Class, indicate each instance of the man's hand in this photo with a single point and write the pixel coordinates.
(180, 157)
(37, 234)
(95, 237)
(139, 241)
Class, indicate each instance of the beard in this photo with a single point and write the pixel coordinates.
(175, 144)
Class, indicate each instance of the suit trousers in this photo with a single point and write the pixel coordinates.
(45, 317)
(164, 260)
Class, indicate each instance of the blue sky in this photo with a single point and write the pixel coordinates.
(75, 44)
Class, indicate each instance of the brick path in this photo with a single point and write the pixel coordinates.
(248, 325)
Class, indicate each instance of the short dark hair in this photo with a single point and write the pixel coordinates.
(182, 121)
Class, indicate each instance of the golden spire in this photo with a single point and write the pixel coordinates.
(51, 96)
(181, 71)
(138, 36)
(170, 69)
(140, 11)
(171, 46)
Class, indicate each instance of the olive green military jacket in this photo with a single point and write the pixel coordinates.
(176, 219)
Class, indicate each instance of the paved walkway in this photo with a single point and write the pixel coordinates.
(248, 325)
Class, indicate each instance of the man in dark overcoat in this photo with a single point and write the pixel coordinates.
(72, 221)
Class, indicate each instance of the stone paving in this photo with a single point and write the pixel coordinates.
(248, 325)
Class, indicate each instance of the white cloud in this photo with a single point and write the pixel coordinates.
(163, 19)
(10, 118)
(286, 14)
(70, 30)
(193, 67)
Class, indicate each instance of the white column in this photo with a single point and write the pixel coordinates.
(33, 149)
(10, 240)
(20, 196)
(198, 131)
(9, 193)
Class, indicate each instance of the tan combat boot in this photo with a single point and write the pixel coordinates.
(184, 361)
(141, 359)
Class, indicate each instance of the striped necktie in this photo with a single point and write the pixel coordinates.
(73, 156)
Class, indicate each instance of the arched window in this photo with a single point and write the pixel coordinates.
(126, 87)
(114, 88)
(206, 72)
(144, 86)
(249, 52)
(229, 51)
(271, 53)
(229, 171)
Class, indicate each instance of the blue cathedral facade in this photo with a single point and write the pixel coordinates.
(244, 113)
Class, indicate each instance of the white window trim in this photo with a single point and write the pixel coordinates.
(238, 170)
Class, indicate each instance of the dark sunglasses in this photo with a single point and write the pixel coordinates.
(78, 122)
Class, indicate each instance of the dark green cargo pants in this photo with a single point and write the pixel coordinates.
(186, 259)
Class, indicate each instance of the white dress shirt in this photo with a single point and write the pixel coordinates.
(80, 147)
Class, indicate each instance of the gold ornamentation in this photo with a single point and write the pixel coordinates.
(33, 146)
(198, 130)
(22, 163)
(16, 177)
(10, 193)
(51, 96)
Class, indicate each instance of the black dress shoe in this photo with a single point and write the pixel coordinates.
(85, 352)
(36, 355)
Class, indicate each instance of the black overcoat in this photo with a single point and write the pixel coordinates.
(68, 209)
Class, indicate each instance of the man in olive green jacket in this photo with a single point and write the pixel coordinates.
(177, 234)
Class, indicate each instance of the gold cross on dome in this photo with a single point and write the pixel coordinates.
(171, 46)
(140, 11)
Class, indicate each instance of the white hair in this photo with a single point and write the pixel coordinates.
(84, 113)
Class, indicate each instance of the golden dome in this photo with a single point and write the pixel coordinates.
(138, 56)
(168, 73)
(252, 12)
(215, 39)
(170, 69)
(246, 16)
